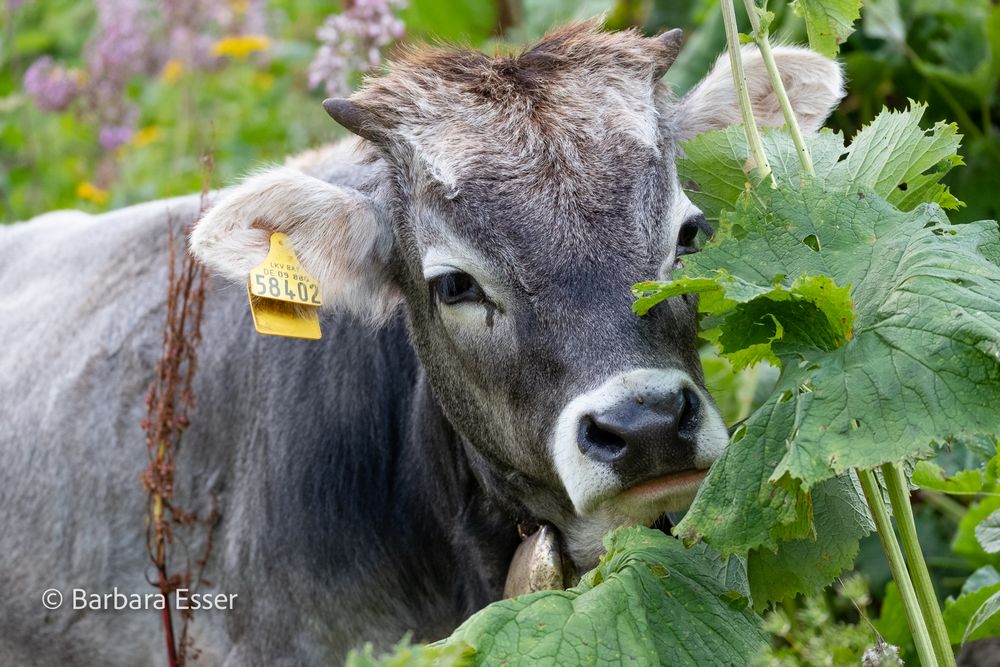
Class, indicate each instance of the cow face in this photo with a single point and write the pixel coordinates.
(508, 204)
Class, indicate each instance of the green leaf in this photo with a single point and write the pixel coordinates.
(984, 576)
(764, 19)
(986, 613)
(931, 476)
(893, 156)
(973, 614)
(889, 341)
(651, 293)
(714, 170)
(813, 308)
(965, 543)
(812, 312)
(650, 601)
(828, 22)
(738, 507)
(991, 248)
(988, 533)
(841, 519)
(902, 162)
(923, 362)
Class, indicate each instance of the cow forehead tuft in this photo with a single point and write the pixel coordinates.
(578, 86)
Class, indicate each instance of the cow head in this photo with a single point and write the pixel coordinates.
(509, 204)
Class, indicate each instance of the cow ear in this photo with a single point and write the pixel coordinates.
(814, 84)
(341, 236)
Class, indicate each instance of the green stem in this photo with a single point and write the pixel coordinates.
(742, 95)
(899, 496)
(764, 44)
(921, 638)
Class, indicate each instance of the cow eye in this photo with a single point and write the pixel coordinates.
(687, 238)
(456, 287)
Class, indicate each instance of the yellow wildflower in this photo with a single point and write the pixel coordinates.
(241, 46)
(146, 136)
(92, 193)
(239, 7)
(173, 70)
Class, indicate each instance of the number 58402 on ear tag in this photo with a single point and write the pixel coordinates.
(284, 299)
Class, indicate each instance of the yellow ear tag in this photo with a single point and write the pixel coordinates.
(284, 299)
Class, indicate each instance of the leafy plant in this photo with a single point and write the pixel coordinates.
(838, 263)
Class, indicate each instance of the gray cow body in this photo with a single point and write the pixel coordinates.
(347, 508)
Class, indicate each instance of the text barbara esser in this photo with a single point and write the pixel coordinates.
(182, 599)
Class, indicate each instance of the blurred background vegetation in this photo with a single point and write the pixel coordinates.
(105, 103)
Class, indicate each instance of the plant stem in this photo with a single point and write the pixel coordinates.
(921, 638)
(899, 496)
(742, 95)
(764, 44)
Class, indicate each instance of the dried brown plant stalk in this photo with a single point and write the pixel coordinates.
(168, 402)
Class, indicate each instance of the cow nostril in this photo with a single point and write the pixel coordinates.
(687, 420)
(598, 443)
(660, 426)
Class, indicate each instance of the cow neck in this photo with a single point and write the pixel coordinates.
(482, 526)
(523, 553)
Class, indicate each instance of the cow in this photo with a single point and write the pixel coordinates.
(480, 367)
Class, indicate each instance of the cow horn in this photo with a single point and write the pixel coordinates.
(670, 44)
(353, 117)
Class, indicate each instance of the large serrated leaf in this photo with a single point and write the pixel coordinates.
(738, 507)
(923, 362)
(893, 156)
(902, 162)
(810, 310)
(650, 601)
(916, 362)
(714, 170)
(841, 518)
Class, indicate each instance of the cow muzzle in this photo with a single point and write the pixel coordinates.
(639, 444)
